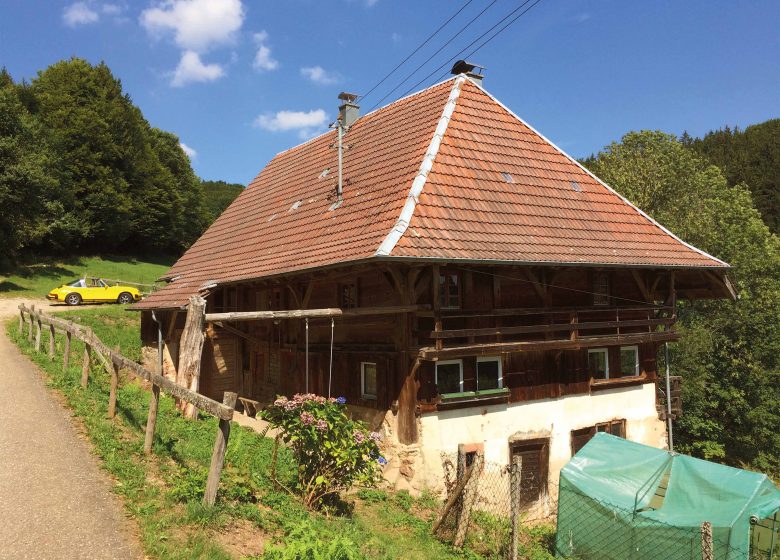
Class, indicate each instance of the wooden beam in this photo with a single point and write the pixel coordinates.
(723, 282)
(458, 313)
(547, 328)
(539, 287)
(430, 353)
(190, 353)
(641, 284)
(313, 313)
(239, 333)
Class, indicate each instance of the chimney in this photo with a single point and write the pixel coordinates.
(349, 111)
(473, 71)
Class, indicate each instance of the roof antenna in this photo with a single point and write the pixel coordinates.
(349, 112)
(473, 71)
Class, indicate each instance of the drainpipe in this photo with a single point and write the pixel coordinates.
(668, 398)
(340, 188)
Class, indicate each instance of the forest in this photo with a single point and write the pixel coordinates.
(83, 172)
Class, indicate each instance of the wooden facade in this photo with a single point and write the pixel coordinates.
(525, 333)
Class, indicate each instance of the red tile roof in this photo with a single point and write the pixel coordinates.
(548, 209)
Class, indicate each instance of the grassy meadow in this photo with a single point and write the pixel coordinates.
(36, 278)
(252, 518)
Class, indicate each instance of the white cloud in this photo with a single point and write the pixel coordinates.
(307, 123)
(319, 75)
(111, 9)
(197, 25)
(263, 59)
(79, 13)
(191, 153)
(192, 69)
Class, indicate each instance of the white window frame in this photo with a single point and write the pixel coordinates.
(604, 351)
(363, 393)
(447, 363)
(637, 369)
(500, 369)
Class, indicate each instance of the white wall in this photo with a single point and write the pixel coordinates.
(495, 425)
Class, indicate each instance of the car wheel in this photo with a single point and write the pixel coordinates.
(125, 298)
(73, 299)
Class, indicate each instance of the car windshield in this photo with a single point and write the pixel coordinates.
(78, 284)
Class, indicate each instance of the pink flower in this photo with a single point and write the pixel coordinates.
(360, 437)
(307, 418)
(376, 436)
(322, 425)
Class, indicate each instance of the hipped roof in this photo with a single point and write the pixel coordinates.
(448, 173)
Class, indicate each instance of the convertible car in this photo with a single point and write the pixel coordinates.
(91, 290)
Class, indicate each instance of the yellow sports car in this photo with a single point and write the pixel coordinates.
(91, 290)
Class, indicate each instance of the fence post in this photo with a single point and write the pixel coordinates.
(21, 320)
(515, 476)
(469, 497)
(112, 390)
(151, 420)
(218, 455)
(52, 341)
(38, 335)
(29, 331)
(85, 365)
(706, 541)
(66, 354)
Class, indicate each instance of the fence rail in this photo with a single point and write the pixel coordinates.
(112, 361)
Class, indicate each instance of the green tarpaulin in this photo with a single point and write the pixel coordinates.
(619, 499)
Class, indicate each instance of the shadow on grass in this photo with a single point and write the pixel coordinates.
(6, 286)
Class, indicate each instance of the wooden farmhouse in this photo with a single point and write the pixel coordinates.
(458, 278)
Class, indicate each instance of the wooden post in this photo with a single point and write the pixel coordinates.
(52, 341)
(29, 331)
(454, 497)
(515, 476)
(38, 335)
(218, 455)
(469, 497)
(706, 541)
(66, 352)
(191, 351)
(85, 365)
(112, 391)
(151, 420)
(21, 320)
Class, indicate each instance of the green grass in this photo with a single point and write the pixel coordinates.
(37, 278)
(163, 492)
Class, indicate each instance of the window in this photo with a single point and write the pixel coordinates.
(449, 290)
(533, 480)
(600, 288)
(348, 295)
(489, 373)
(598, 363)
(583, 435)
(629, 361)
(449, 376)
(368, 380)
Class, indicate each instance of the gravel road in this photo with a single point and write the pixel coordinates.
(55, 501)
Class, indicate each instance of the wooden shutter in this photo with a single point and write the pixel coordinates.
(533, 478)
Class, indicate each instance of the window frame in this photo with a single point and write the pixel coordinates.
(444, 292)
(458, 361)
(500, 370)
(605, 351)
(363, 394)
(637, 364)
(349, 286)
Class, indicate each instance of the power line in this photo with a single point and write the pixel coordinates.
(431, 36)
(427, 60)
(477, 39)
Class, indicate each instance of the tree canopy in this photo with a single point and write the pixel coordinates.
(218, 195)
(729, 353)
(86, 172)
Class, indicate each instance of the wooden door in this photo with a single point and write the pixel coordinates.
(533, 478)
(223, 368)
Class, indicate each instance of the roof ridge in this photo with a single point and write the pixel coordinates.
(401, 225)
(602, 183)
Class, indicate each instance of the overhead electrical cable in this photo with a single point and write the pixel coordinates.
(458, 55)
(427, 60)
(421, 45)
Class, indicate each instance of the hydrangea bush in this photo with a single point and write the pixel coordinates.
(332, 451)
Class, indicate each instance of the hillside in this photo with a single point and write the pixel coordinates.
(218, 195)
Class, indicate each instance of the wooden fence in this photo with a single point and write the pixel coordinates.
(112, 361)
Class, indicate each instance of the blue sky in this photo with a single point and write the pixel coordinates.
(241, 80)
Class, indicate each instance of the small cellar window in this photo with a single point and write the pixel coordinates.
(368, 380)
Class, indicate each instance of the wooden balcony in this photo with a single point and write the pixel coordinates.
(459, 333)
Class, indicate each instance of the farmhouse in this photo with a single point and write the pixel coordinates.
(458, 278)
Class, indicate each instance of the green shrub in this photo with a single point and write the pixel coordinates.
(303, 542)
(333, 452)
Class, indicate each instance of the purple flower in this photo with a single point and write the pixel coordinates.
(360, 437)
(376, 436)
(307, 418)
(382, 460)
(341, 400)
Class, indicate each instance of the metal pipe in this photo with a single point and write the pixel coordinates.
(307, 355)
(668, 398)
(330, 368)
(340, 188)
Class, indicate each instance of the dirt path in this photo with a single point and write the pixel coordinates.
(55, 501)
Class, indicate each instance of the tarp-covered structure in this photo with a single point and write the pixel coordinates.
(619, 499)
